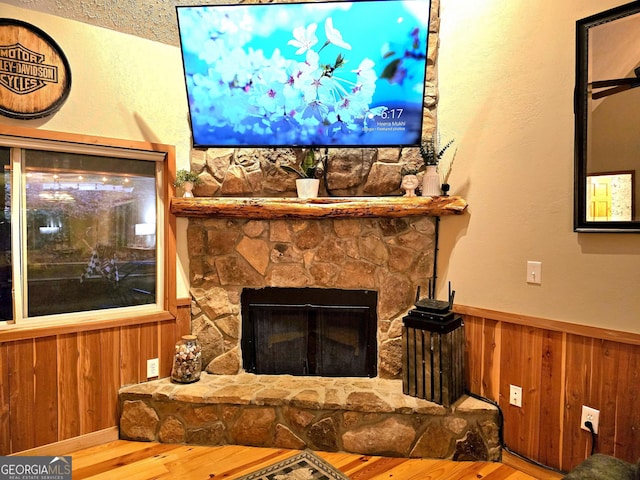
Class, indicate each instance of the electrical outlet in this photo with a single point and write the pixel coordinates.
(515, 395)
(592, 415)
(153, 368)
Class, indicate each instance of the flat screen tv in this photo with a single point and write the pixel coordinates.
(342, 73)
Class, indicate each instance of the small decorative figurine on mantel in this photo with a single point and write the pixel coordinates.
(409, 182)
(186, 180)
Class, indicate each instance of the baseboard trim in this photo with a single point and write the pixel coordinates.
(70, 445)
(539, 472)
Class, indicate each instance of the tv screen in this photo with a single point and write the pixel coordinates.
(344, 73)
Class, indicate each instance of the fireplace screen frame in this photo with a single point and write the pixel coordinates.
(314, 309)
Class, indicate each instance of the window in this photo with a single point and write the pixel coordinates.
(5, 236)
(81, 231)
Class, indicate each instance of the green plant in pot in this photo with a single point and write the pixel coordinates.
(307, 183)
(186, 179)
(309, 167)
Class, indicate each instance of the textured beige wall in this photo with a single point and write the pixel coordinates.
(151, 19)
(506, 76)
(122, 86)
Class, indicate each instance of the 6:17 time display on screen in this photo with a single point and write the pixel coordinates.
(392, 113)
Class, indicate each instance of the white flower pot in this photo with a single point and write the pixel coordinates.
(307, 187)
(431, 186)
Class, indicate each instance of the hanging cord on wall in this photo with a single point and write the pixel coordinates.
(589, 425)
(432, 282)
(501, 435)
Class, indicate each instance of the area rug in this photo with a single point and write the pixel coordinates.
(303, 466)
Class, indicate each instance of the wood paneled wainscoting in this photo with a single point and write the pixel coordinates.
(63, 382)
(59, 377)
(560, 367)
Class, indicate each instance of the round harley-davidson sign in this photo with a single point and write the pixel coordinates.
(35, 78)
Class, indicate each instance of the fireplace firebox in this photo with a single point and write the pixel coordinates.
(309, 331)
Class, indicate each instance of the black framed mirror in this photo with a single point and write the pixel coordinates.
(607, 121)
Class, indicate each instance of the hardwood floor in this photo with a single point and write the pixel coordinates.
(146, 461)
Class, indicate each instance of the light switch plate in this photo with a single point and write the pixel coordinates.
(534, 272)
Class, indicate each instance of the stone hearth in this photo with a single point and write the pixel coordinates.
(365, 416)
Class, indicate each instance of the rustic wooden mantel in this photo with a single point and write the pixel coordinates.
(322, 207)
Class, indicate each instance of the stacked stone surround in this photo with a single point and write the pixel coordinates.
(390, 256)
(364, 416)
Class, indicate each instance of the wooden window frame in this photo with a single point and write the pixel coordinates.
(168, 304)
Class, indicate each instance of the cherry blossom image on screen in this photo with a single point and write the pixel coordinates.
(300, 74)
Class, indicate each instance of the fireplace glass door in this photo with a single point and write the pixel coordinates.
(328, 333)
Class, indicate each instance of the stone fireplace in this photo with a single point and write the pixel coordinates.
(390, 256)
